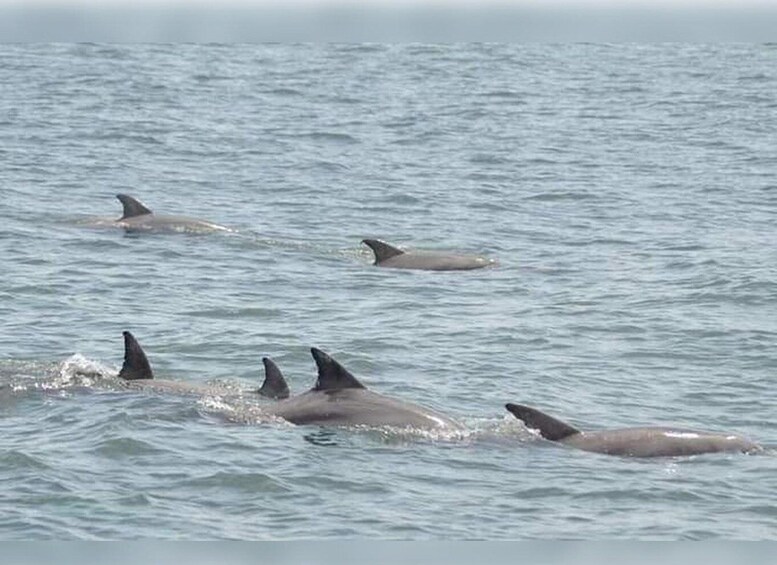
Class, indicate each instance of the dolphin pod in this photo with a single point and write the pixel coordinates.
(336, 399)
(633, 442)
(387, 255)
(339, 399)
(138, 217)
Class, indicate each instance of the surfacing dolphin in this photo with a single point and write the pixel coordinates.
(339, 399)
(633, 442)
(137, 217)
(387, 255)
(136, 372)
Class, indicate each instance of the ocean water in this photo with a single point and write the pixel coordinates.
(628, 192)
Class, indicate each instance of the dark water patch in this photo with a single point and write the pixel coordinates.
(236, 313)
(402, 199)
(330, 166)
(401, 123)
(363, 48)
(347, 100)
(686, 247)
(329, 137)
(286, 92)
(599, 241)
(489, 159)
(511, 95)
(134, 500)
(204, 78)
(561, 196)
(19, 460)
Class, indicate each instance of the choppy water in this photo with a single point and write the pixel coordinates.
(628, 192)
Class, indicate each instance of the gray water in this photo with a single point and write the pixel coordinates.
(627, 191)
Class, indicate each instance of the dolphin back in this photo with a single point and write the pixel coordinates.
(136, 365)
(274, 385)
(660, 442)
(549, 427)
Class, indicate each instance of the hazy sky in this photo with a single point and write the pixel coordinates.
(388, 20)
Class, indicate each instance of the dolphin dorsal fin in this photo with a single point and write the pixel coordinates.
(549, 427)
(274, 385)
(132, 207)
(331, 374)
(136, 365)
(382, 249)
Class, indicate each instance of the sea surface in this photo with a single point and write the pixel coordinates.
(628, 192)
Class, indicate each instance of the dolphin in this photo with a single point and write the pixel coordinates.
(387, 255)
(633, 442)
(137, 217)
(137, 374)
(339, 399)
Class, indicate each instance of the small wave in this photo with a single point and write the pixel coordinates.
(138, 499)
(286, 92)
(18, 460)
(488, 159)
(400, 123)
(598, 241)
(125, 447)
(401, 434)
(77, 366)
(561, 195)
(123, 135)
(511, 95)
(75, 371)
(402, 198)
(237, 411)
(506, 429)
(232, 313)
(329, 166)
(340, 99)
(209, 78)
(329, 136)
(246, 482)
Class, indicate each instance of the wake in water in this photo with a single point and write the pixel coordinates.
(238, 236)
(242, 411)
(75, 371)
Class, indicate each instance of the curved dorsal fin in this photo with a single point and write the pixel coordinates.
(382, 249)
(135, 363)
(132, 207)
(549, 427)
(274, 385)
(331, 374)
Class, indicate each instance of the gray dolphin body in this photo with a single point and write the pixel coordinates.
(136, 373)
(387, 255)
(137, 217)
(339, 399)
(633, 442)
